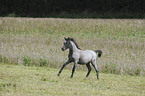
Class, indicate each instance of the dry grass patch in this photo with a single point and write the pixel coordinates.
(29, 41)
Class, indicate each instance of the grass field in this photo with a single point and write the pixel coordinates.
(38, 41)
(18, 80)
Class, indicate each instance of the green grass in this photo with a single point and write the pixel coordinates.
(17, 80)
(38, 41)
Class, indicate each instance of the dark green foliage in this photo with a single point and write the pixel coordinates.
(26, 61)
(74, 8)
(138, 71)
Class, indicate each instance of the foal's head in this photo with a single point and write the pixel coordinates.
(67, 43)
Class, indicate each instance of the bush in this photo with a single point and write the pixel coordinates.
(26, 61)
(43, 61)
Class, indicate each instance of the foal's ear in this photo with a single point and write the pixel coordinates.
(68, 38)
(65, 38)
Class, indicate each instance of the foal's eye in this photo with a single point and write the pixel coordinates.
(66, 42)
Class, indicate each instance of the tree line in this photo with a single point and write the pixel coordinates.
(74, 8)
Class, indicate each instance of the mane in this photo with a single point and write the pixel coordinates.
(74, 42)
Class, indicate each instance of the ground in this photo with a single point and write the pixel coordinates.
(38, 81)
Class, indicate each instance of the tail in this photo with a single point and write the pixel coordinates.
(99, 52)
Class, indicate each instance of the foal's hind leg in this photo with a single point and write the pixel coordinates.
(89, 69)
(95, 66)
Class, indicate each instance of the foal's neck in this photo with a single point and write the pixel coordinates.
(74, 47)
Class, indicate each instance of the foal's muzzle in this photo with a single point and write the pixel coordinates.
(62, 49)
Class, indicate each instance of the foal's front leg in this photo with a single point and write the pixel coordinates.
(68, 61)
(74, 67)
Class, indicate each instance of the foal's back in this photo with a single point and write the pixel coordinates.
(87, 56)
